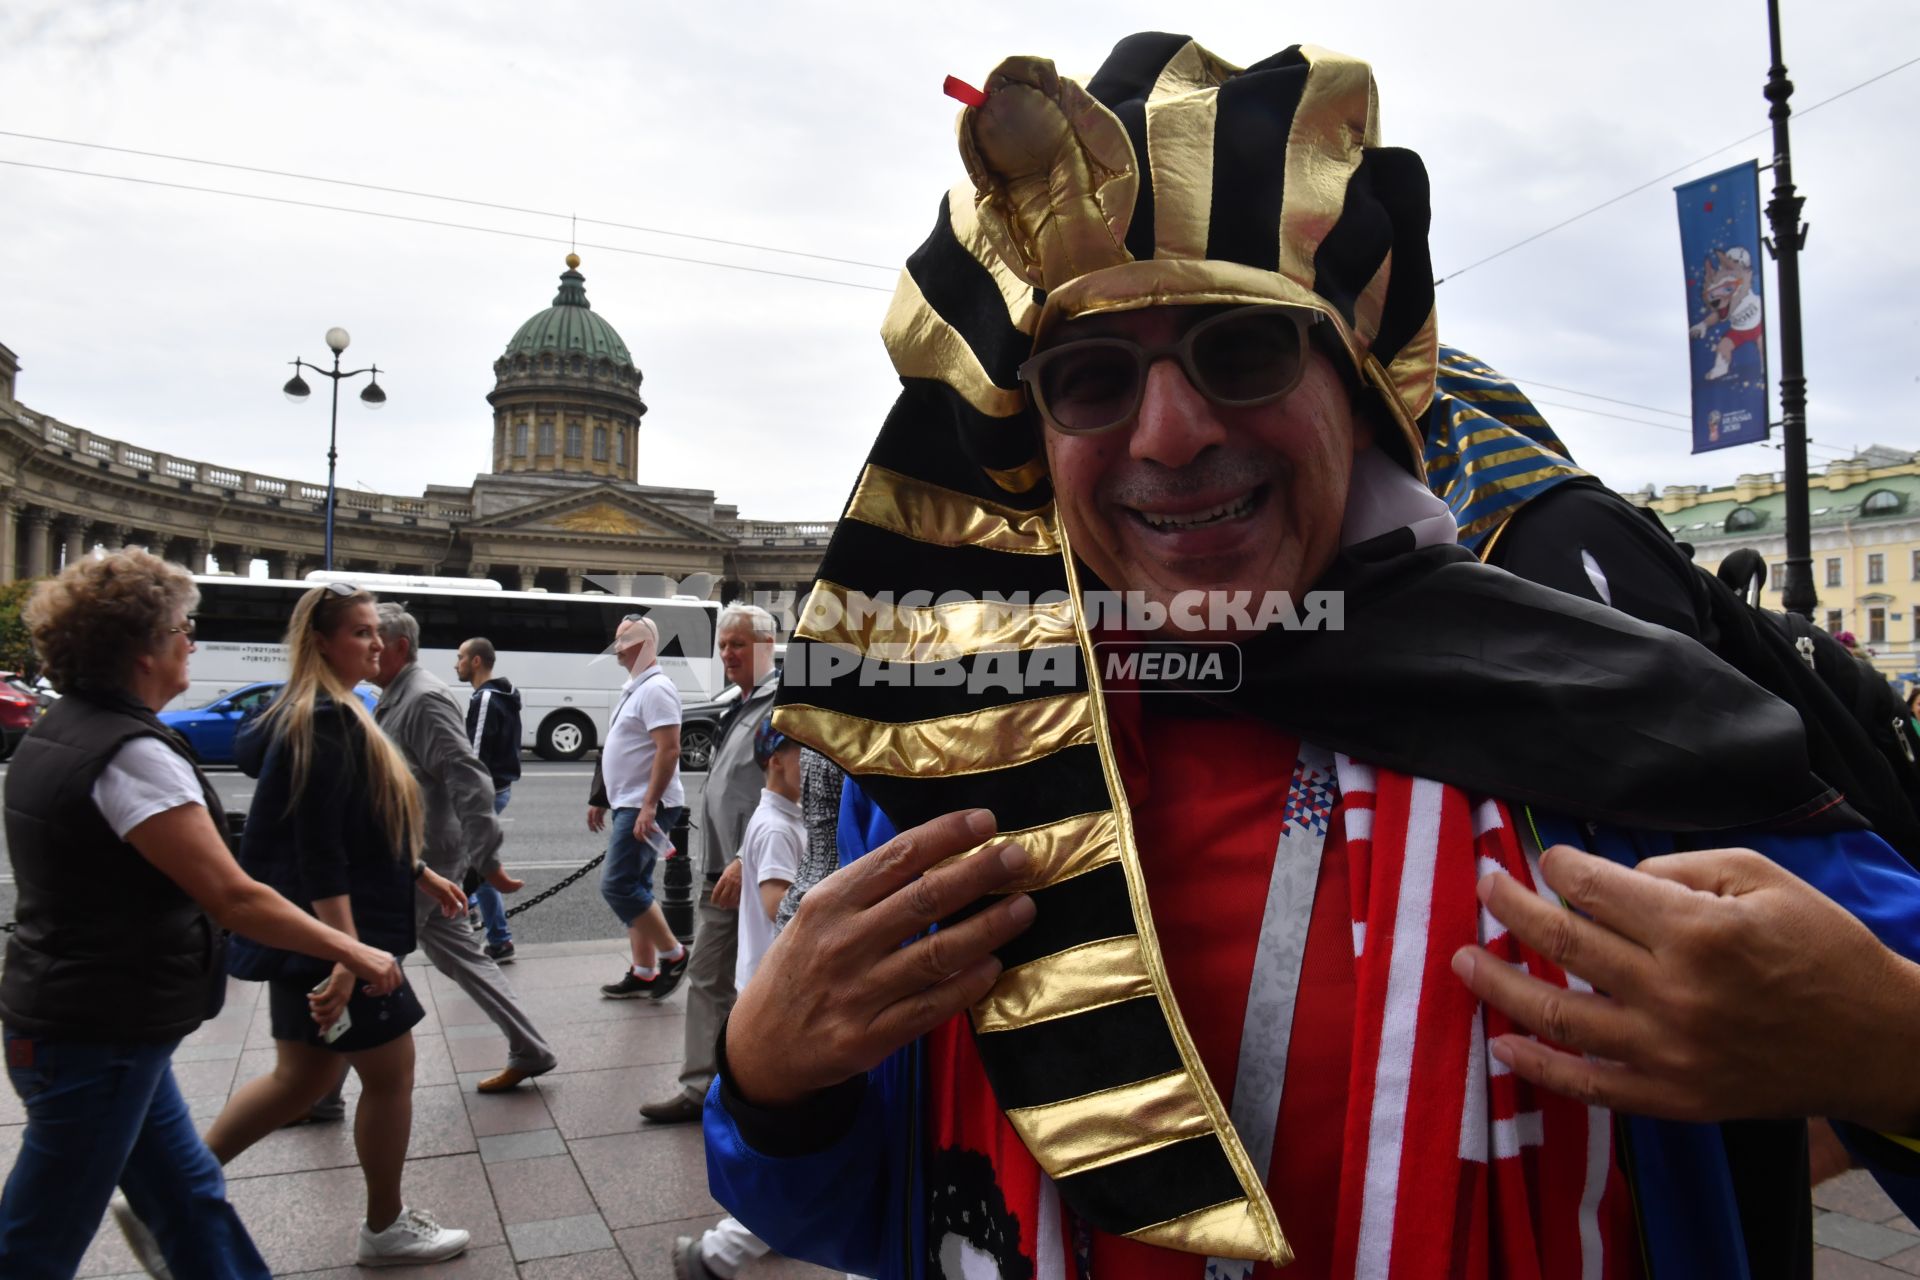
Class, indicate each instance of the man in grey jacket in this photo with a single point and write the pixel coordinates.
(732, 793)
(418, 712)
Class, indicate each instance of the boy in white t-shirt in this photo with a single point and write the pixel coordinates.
(770, 852)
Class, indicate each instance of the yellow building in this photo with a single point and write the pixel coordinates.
(1864, 520)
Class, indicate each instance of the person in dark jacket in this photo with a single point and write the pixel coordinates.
(337, 823)
(124, 881)
(493, 729)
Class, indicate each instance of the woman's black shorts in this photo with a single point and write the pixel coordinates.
(376, 1019)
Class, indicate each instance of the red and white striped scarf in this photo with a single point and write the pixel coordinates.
(1451, 1166)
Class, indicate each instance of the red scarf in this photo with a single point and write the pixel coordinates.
(1449, 1166)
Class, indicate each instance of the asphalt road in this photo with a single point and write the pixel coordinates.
(547, 838)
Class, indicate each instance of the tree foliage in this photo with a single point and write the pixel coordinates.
(16, 645)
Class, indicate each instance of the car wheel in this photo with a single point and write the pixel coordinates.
(696, 747)
(565, 735)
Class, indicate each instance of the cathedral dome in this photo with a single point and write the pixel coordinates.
(570, 326)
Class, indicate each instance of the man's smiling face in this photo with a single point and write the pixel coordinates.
(1191, 495)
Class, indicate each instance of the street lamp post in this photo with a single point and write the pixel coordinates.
(1789, 234)
(371, 395)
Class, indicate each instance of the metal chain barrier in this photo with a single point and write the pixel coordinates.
(544, 894)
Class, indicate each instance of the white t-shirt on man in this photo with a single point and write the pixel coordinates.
(648, 702)
(770, 849)
(145, 777)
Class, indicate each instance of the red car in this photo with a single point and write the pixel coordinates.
(19, 708)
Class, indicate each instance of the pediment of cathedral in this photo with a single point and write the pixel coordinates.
(603, 511)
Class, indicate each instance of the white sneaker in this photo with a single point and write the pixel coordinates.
(146, 1250)
(413, 1237)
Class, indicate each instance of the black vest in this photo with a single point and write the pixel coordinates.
(107, 947)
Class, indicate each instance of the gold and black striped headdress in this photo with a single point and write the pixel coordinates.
(1169, 178)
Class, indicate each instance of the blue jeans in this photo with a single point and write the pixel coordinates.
(493, 909)
(100, 1115)
(627, 881)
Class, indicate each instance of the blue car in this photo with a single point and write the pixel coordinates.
(210, 730)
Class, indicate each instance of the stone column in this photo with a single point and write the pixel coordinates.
(277, 564)
(9, 537)
(576, 579)
(527, 573)
(115, 536)
(479, 569)
(385, 566)
(39, 558)
(73, 539)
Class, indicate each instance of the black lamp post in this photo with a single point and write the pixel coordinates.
(1789, 234)
(371, 396)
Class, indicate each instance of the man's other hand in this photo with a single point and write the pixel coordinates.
(837, 992)
(596, 817)
(1726, 988)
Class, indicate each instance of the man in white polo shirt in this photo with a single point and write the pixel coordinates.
(640, 767)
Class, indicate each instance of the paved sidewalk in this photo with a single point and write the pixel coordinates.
(560, 1180)
(1859, 1234)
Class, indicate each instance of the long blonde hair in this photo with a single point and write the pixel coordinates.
(396, 796)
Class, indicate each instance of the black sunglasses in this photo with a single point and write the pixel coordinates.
(1239, 358)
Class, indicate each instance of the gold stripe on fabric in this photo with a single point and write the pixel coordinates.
(963, 219)
(1266, 1225)
(932, 632)
(1416, 365)
(1101, 1128)
(1494, 430)
(1058, 851)
(925, 346)
(972, 742)
(1486, 548)
(1205, 1230)
(1080, 978)
(1483, 395)
(1019, 479)
(1181, 112)
(1526, 478)
(931, 513)
(1527, 449)
(1403, 417)
(1335, 118)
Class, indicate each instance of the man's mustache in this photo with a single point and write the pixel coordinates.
(1148, 483)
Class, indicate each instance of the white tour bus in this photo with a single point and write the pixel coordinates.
(547, 644)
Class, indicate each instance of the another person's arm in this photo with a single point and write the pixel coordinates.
(184, 846)
(666, 761)
(440, 743)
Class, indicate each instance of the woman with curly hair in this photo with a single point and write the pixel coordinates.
(124, 882)
(336, 823)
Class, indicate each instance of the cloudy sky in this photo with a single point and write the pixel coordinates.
(166, 316)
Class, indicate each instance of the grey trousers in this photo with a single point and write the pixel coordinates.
(716, 945)
(453, 948)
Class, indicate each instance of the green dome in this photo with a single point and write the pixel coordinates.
(569, 326)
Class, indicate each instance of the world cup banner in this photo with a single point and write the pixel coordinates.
(1726, 317)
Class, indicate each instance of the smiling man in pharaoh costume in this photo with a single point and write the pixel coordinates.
(1190, 1005)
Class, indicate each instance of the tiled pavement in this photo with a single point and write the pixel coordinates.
(1859, 1234)
(560, 1180)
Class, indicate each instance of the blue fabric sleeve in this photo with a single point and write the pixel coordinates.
(827, 1208)
(1861, 872)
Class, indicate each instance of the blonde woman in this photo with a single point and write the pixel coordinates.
(336, 825)
(124, 882)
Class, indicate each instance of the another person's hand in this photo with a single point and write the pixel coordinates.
(1732, 989)
(505, 883)
(326, 1003)
(451, 897)
(379, 970)
(596, 817)
(726, 890)
(837, 992)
